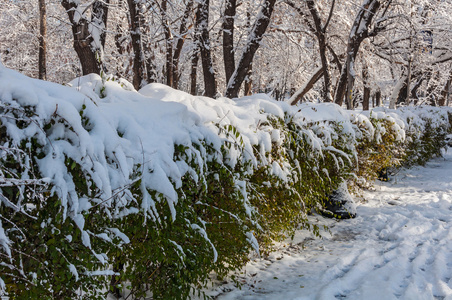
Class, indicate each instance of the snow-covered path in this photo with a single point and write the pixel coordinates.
(399, 247)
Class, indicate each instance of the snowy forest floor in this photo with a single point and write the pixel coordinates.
(398, 247)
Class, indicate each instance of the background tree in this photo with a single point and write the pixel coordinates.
(253, 43)
(228, 38)
(180, 41)
(315, 26)
(320, 32)
(203, 43)
(42, 72)
(88, 34)
(135, 33)
(359, 32)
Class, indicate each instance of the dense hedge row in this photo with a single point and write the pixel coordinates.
(80, 216)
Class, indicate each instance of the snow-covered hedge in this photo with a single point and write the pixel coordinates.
(407, 136)
(103, 186)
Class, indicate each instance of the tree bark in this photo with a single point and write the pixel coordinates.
(378, 98)
(149, 62)
(408, 84)
(256, 35)
(341, 86)
(119, 38)
(168, 43)
(180, 43)
(320, 32)
(203, 41)
(194, 72)
(88, 50)
(149, 67)
(248, 85)
(401, 84)
(419, 78)
(366, 93)
(83, 40)
(301, 12)
(359, 32)
(432, 86)
(443, 101)
(135, 35)
(400, 92)
(228, 38)
(100, 18)
(336, 58)
(42, 69)
(298, 96)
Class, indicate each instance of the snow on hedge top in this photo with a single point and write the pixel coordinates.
(108, 129)
(412, 120)
(245, 114)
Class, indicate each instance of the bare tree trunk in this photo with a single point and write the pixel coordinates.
(419, 78)
(408, 84)
(248, 81)
(341, 86)
(149, 67)
(122, 47)
(248, 85)
(136, 43)
(87, 48)
(378, 98)
(320, 32)
(401, 84)
(298, 96)
(119, 39)
(359, 32)
(432, 86)
(180, 43)
(168, 42)
(194, 72)
(87, 57)
(400, 94)
(336, 58)
(443, 101)
(228, 38)
(100, 18)
(82, 40)
(256, 35)
(350, 84)
(366, 94)
(151, 74)
(42, 70)
(203, 41)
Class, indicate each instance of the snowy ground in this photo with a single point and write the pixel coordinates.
(399, 247)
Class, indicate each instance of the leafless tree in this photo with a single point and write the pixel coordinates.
(42, 70)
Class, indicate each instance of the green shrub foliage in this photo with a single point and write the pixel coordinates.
(230, 190)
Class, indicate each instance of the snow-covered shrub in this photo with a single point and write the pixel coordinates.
(407, 136)
(380, 146)
(172, 257)
(313, 161)
(48, 252)
(426, 130)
